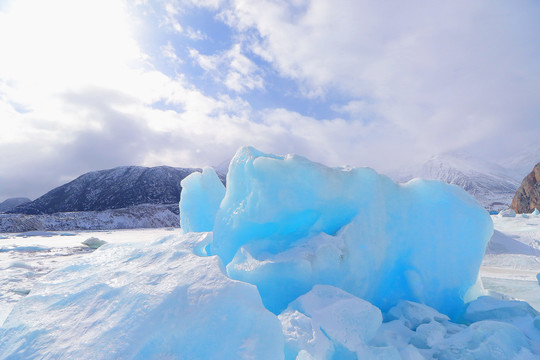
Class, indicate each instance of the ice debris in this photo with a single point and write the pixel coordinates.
(507, 213)
(325, 318)
(287, 224)
(94, 242)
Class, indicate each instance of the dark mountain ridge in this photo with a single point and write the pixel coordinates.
(115, 188)
(12, 203)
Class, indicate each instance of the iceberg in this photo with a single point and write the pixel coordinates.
(286, 224)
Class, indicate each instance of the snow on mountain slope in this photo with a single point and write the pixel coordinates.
(522, 164)
(490, 184)
(116, 188)
(11, 203)
(133, 217)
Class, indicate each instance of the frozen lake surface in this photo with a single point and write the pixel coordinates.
(26, 257)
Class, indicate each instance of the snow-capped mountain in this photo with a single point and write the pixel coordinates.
(490, 184)
(116, 188)
(521, 164)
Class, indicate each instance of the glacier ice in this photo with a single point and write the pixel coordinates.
(286, 224)
(142, 301)
(201, 195)
(412, 314)
(312, 263)
(328, 313)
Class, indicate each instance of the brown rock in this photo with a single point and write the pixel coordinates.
(527, 197)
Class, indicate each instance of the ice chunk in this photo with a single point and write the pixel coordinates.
(303, 339)
(199, 202)
(485, 340)
(507, 213)
(393, 333)
(518, 313)
(535, 212)
(286, 224)
(413, 314)
(326, 311)
(428, 335)
(142, 301)
(94, 242)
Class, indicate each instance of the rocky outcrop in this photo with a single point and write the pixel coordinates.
(527, 196)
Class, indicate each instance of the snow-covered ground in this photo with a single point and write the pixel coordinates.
(512, 260)
(509, 267)
(26, 257)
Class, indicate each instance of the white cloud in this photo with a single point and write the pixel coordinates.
(449, 74)
(416, 78)
(172, 10)
(231, 68)
(169, 52)
(195, 34)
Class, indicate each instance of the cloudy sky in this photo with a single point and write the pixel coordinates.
(88, 85)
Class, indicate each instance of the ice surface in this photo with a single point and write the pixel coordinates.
(201, 195)
(504, 244)
(286, 224)
(142, 301)
(37, 233)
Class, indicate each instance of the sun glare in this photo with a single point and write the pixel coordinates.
(65, 44)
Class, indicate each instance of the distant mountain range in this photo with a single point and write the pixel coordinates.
(123, 197)
(116, 188)
(490, 184)
(11, 203)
